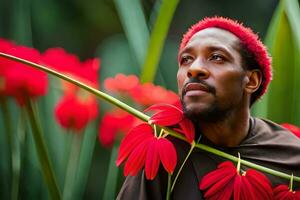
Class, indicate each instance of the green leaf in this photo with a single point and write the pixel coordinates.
(135, 27)
(112, 175)
(283, 43)
(158, 37)
(42, 152)
(85, 160)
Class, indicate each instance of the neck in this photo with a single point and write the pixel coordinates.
(228, 132)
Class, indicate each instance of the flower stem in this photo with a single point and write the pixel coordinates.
(169, 187)
(181, 167)
(238, 167)
(291, 183)
(92, 90)
(146, 118)
(244, 162)
(42, 152)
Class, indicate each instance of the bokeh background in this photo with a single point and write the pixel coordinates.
(118, 32)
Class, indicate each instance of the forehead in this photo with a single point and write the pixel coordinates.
(214, 37)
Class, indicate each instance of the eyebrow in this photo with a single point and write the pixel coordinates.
(210, 48)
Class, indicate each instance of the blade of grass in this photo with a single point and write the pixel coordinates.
(135, 27)
(42, 152)
(112, 174)
(85, 159)
(71, 171)
(19, 144)
(157, 39)
(9, 136)
(260, 108)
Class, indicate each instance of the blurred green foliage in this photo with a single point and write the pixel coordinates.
(118, 33)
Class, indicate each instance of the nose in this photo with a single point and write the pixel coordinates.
(197, 70)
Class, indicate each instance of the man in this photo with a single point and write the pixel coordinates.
(223, 70)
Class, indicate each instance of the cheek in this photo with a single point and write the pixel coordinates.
(231, 85)
(181, 75)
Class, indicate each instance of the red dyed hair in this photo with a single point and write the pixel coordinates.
(248, 40)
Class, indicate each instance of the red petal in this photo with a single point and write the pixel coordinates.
(167, 154)
(188, 129)
(227, 192)
(282, 192)
(237, 187)
(260, 184)
(224, 183)
(168, 115)
(297, 195)
(136, 160)
(132, 139)
(294, 129)
(164, 106)
(152, 160)
(247, 190)
(224, 169)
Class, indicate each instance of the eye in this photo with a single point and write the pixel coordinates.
(186, 59)
(217, 57)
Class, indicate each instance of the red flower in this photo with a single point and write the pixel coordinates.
(294, 129)
(89, 70)
(74, 113)
(121, 83)
(169, 115)
(77, 108)
(144, 149)
(132, 139)
(149, 94)
(60, 60)
(282, 192)
(23, 82)
(114, 123)
(226, 183)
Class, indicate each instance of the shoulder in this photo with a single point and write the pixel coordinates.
(265, 131)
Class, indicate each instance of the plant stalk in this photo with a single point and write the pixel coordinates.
(146, 118)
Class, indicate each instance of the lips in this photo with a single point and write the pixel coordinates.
(195, 89)
(196, 86)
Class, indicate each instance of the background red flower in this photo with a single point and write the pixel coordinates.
(23, 82)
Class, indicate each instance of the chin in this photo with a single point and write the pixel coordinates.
(198, 111)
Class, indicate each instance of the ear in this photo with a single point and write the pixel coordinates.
(253, 80)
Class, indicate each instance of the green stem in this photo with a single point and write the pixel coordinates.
(244, 162)
(112, 175)
(146, 118)
(291, 183)
(42, 152)
(94, 91)
(181, 167)
(238, 167)
(72, 167)
(169, 187)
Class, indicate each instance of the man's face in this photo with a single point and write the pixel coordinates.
(210, 75)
